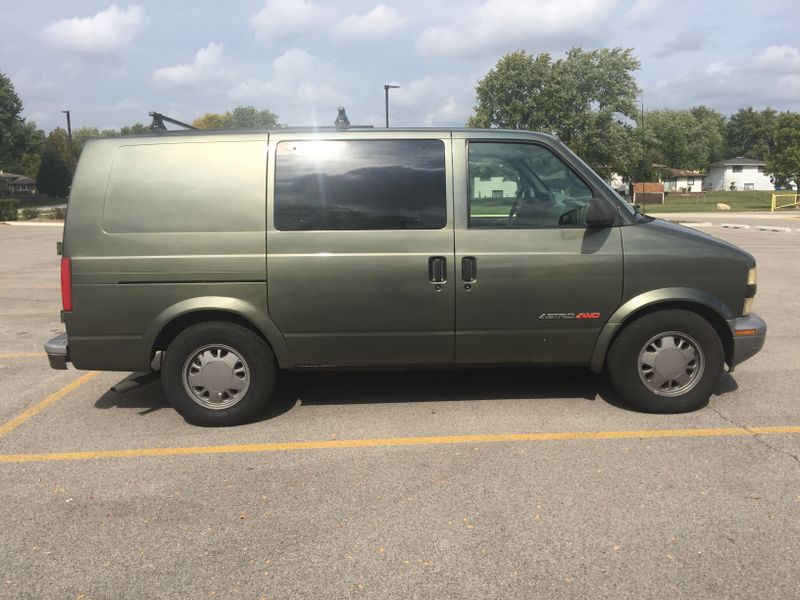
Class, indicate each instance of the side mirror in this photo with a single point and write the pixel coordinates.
(600, 213)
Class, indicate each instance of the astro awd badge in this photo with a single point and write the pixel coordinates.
(568, 316)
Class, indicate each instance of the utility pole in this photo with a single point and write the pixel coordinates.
(386, 89)
(69, 135)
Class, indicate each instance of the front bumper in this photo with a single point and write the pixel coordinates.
(58, 351)
(748, 337)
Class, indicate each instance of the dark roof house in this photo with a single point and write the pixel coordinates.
(11, 183)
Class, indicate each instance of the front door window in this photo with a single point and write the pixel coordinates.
(523, 186)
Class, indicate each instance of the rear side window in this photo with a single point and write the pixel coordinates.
(360, 184)
(187, 187)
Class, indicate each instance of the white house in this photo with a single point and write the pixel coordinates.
(738, 174)
(685, 182)
(494, 187)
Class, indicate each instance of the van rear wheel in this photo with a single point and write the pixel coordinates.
(666, 362)
(218, 374)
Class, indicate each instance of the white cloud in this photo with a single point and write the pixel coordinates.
(32, 86)
(644, 10)
(284, 18)
(381, 20)
(505, 25)
(769, 78)
(37, 116)
(688, 40)
(440, 100)
(299, 78)
(206, 70)
(779, 58)
(789, 86)
(103, 33)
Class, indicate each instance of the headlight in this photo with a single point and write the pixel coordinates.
(750, 291)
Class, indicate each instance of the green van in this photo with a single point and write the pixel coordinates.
(221, 258)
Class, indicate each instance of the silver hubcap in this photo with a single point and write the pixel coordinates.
(671, 363)
(216, 376)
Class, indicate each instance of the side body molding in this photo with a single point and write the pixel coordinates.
(646, 300)
(256, 315)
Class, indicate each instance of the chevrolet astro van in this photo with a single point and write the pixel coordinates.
(222, 258)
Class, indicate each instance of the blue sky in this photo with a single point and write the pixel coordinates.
(112, 63)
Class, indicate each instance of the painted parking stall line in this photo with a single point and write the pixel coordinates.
(40, 406)
(404, 441)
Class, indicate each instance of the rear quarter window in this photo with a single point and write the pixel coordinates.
(187, 187)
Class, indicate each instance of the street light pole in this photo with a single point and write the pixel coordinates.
(69, 135)
(386, 89)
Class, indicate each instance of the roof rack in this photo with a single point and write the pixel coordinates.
(342, 123)
(159, 119)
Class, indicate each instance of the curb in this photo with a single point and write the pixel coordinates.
(771, 228)
(735, 226)
(24, 224)
(706, 224)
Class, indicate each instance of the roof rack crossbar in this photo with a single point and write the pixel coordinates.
(159, 119)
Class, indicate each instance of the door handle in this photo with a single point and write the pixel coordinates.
(437, 269)
(469, 269)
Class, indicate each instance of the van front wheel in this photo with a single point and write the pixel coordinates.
(666, 362)
(218, 374)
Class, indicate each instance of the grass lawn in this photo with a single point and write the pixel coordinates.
(707, 202)
(750, 201)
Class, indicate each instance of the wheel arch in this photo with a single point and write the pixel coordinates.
(178, 317)
(707, 306)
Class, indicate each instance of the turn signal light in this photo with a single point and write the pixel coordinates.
(745, 332)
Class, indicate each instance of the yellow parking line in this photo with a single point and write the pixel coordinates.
(37, 408)
(23, 355)
(403, 441)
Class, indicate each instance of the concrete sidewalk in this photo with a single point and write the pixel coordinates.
(727, 214)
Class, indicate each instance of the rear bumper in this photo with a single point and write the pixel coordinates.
(749, 334)
(58, 351)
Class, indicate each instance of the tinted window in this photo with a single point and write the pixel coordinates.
(360, 184)
(523, 186)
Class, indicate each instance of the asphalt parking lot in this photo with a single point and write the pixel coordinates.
(435, 484)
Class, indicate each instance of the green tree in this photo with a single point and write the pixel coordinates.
(135, 129)
(55, 173)
(83, 134)
(712, 128)
(586, 98)
(20, 141)
(784, 162)
(750, 133)
(677, 138)
(241, 117)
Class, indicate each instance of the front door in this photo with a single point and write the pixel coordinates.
(360, 249)
(534, 283)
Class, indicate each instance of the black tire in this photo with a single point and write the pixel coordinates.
(260, 373)
(624, 365)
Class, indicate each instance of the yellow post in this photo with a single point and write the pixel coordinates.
(772, 206)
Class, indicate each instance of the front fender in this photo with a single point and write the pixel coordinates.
(645, 300)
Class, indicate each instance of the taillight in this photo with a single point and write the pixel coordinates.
(66, 283)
